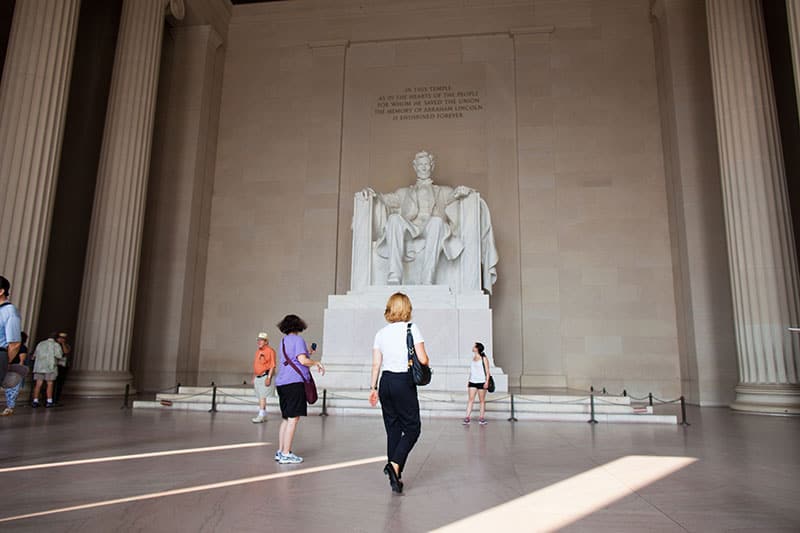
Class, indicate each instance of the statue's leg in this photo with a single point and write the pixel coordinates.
(435, 231)
(395, 241)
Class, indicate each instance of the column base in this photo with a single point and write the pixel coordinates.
(98, 384)
(765, 399)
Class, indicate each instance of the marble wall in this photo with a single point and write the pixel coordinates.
(566, 148)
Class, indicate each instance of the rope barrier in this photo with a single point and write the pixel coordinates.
(213, 398)
(592, 419)
(651, 400)
(324, 403)
(127, 395)
(125, 398)
(186, 398)
(592, 398)
(683, 421)
(512, 418)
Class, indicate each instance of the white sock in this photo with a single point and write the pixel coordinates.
(262, 412)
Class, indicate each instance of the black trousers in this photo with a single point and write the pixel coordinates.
(60, 379)
(400, 406)
(3, 363)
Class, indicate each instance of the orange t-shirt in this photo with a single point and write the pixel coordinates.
(264, 360)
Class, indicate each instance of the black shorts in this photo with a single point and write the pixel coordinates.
(471, 385)
(292, 398)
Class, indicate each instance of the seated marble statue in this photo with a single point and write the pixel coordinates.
(426, 224)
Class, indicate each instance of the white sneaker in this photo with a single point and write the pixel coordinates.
(259, 419)
(290, 459)
(278, 455)
(8, 411)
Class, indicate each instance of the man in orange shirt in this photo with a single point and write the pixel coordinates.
(263, 370)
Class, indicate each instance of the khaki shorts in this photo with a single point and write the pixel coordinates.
(39, 376)
(260, 385)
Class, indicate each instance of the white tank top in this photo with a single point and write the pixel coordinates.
(476, 373)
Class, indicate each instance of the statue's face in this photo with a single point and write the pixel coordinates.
(423, 167)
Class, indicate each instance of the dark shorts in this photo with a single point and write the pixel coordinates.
(471, 385)
(292, 398)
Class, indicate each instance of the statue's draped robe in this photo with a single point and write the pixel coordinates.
(405, 202)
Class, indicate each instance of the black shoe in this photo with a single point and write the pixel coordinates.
(48, 405)
(394, 481)
(35, 404)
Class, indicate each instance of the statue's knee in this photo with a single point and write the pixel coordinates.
(395, 223)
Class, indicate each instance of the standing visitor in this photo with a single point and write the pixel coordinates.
(13, 392)
(478, 382)
(63, 365)
(295, 358)
(45, 368)
(263, 370)
(10, 328)
(397, 391)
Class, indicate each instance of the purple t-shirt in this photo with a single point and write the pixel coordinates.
(294, 346)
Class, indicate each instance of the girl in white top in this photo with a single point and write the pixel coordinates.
(397, 391)
(478, 382)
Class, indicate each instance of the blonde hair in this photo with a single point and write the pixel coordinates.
(398, 308)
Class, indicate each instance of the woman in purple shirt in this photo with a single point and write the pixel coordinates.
(294, 363)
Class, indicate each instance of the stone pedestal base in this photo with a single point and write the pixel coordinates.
(768, 399)
(451, 324)
(98, 384)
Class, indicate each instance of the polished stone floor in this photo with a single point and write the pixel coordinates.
(725, 472)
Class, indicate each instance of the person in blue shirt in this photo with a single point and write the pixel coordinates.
(10, 328)
(12, 393)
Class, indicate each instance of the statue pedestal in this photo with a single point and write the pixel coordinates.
(451, 324)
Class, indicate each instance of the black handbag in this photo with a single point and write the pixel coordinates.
(420, 374)
(490, 388)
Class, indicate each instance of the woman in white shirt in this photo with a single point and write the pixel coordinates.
(397, 391)
(478, 382)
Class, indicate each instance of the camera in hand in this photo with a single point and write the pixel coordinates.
(313, 345)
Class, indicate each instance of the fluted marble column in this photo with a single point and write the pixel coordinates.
(33, 104)
(793, 18)
(761, 248)
(105, 318)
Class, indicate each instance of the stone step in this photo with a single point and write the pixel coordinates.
(432, 404)
(423, 394)
(521, 404)
(496, 416)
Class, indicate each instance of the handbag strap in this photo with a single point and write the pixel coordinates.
(289, 361)
(485, 375)
(412, 353)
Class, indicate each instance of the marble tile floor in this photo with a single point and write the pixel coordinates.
(725, 472)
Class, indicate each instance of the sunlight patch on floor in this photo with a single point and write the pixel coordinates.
(133, 456)
(199, 488)
(565, 502)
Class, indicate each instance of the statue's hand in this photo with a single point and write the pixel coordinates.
(462, 191)
(367, 193)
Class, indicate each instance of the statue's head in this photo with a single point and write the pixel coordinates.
(423, 164)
